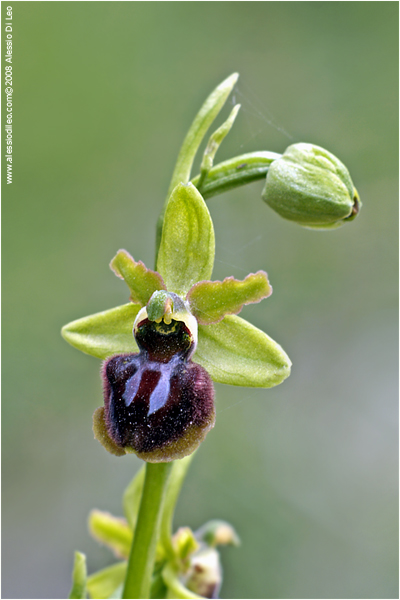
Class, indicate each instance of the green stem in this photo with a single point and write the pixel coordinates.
(235, 172)
(143, 550)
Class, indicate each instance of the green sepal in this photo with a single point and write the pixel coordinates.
(187, 248)
(235, 352)
(142, 282)
(111, 531)
(210, 301)
(104, 583)
(132, 496)
(105, 333)
(79, 577)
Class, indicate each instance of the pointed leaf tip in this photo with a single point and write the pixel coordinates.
(132, 496)
(79, 577)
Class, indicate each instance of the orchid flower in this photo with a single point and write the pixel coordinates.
(178, 332)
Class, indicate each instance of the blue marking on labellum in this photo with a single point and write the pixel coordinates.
(160, 394)
(132, 386)
(158, 399)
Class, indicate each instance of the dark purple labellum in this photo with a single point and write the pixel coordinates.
(158, 402)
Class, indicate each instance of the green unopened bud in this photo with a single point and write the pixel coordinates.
(185, 543)
(218, 533)
(312, 187)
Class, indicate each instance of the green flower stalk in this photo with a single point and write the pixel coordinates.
(178, 333)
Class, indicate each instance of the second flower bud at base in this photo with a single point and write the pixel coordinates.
(157, 403)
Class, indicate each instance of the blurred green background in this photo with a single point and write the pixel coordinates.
(103, 95)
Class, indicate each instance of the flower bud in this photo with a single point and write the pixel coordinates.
(310, 186)
(217, 533)
(158, 403)
(205, 574)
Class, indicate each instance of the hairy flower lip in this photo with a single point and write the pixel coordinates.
(182, 413)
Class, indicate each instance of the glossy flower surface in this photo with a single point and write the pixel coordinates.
(157, 382)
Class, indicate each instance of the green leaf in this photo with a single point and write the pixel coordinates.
(175, 482)
(117, 594)
(237, 353)
(214, 143)
(198, 129)
(142, 282)
(104, 583)
(210, 301)
(193, 139)
(104, 334)
(111, 531)
(132, 496)
(187, 247)
(79, 575)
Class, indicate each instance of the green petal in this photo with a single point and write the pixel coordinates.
(78, 589)
(210, 301)
(187, 247)
(103, 583)
(237, 353)
(142, 282)
(104, 334)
